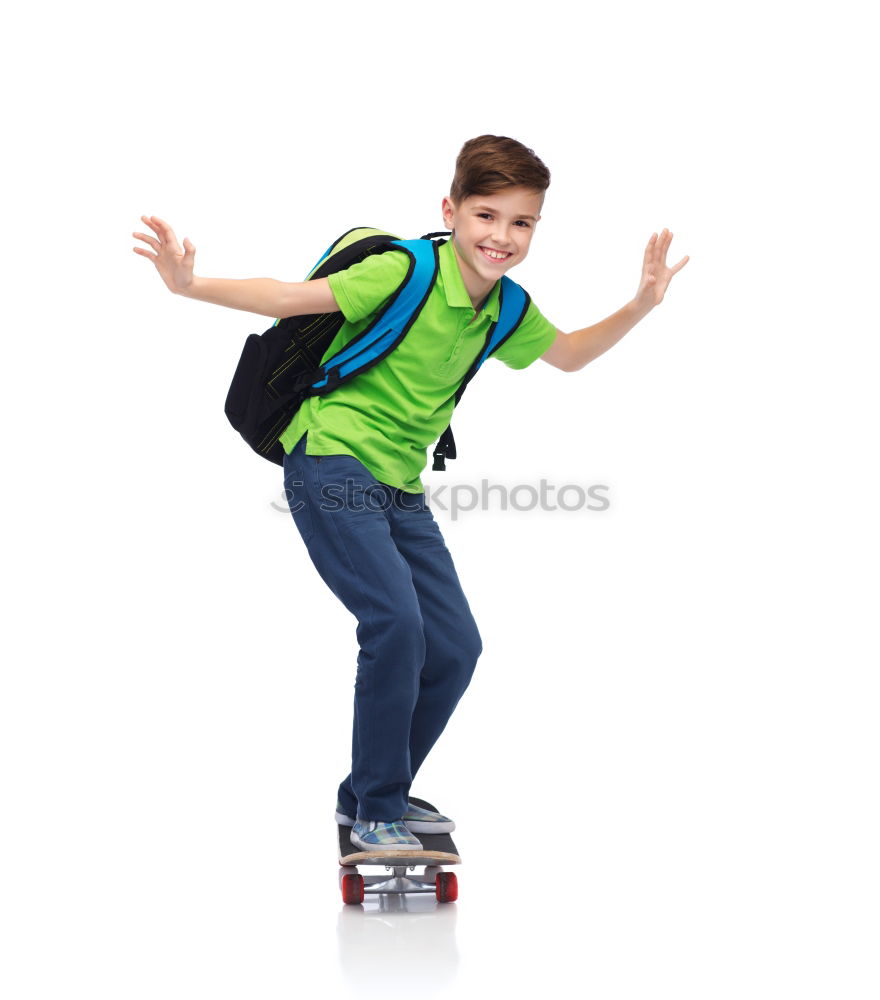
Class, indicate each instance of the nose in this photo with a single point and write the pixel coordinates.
(501, 234)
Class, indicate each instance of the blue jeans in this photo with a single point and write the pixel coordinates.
(380, 551)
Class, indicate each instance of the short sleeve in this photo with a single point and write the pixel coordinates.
(529, 341)
(361, 289)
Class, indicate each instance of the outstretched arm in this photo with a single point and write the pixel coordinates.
(264, 296)
(571, 351)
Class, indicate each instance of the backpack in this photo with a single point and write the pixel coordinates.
(280, 368)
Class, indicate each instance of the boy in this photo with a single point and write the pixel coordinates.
(381, 551)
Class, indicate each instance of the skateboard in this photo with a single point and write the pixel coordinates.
(438, 849)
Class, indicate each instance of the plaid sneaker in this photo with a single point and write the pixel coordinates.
(416, 820)
(370, 836)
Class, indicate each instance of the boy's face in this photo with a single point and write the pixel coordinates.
(492, 233)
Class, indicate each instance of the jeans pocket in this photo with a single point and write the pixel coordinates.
(348, 492)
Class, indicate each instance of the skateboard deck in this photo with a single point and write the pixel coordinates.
(437, 849)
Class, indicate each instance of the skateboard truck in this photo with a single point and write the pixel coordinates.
(434, 880)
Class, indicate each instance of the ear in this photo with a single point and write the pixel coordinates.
(447, 209)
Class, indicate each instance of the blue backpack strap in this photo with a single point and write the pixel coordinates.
(390, 326)
(513, 304)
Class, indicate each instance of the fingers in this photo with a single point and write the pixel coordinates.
(664, 238)
(663, 245)
(649, 251)
(150, 242)
(655, 259)
(657, 245)
(165, 244)
(150, 221)
(147, 239)
(165, 233)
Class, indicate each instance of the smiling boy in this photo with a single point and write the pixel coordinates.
(381, 552)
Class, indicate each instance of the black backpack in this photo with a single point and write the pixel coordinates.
(278, 369)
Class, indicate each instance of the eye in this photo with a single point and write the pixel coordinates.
(523, 223)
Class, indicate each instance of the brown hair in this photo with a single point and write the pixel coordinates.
(491, 163)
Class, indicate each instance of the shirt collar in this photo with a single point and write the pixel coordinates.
(453, 284)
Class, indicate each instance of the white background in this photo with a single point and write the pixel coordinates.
(665, 772)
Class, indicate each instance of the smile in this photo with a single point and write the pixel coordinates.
(494, 254)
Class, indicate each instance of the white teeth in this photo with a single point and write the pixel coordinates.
(494, 254)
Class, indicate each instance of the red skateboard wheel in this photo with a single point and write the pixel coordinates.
(447, 887)
(353, 889)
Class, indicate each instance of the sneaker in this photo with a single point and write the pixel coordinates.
(371, 836)
(416, 820)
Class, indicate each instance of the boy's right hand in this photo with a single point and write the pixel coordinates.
(173, 264)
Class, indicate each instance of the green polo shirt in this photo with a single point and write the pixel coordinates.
(388, 416)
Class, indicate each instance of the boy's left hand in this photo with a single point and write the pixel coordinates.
(656, 274)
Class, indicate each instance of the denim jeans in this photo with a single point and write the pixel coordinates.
(381, 552)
